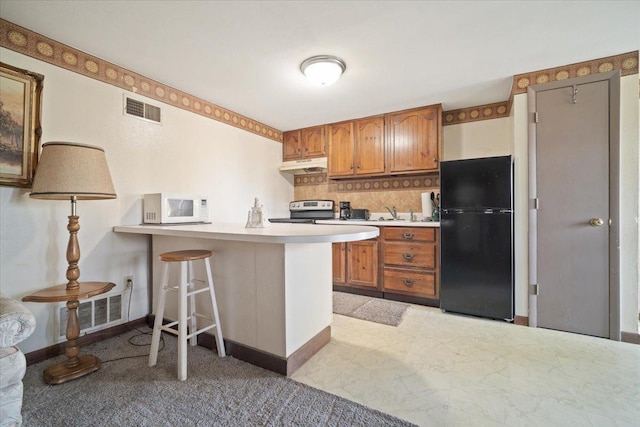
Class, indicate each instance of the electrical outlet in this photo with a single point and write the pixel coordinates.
(128, 282)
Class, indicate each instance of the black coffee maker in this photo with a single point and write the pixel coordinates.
(345, 210)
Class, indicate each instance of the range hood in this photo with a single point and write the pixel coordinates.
(296, 167)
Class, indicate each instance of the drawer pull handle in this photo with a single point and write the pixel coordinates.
(408, 257)
(408, 282)
(408, 236)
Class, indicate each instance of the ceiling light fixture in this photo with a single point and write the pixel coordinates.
(323, 69)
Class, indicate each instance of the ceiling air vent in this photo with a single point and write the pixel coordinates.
(142, 110)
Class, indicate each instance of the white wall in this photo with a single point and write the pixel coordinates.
(186, 154)
(485, 138)
(629, 202)
(510, 136)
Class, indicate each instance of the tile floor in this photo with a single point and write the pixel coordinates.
(439, 369)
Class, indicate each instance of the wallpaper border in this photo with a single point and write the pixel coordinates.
(627, 63)
(27, 42)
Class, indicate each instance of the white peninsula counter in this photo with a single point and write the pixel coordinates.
(273, 285)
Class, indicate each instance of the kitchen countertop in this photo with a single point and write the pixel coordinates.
(331, 232)
(399, 223)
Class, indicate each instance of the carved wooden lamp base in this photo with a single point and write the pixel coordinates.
(76, 365)
(60, 372)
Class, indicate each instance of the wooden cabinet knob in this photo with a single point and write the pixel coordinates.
(408, 257)
(408, 236)
(408, 282)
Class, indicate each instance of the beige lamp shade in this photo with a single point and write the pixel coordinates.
(67, 169)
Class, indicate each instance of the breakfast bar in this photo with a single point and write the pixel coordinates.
(273, 284)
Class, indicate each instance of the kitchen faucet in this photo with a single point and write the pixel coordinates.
(393, 212)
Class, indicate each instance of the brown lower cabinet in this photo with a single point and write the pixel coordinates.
(356, 264)
(402, 264)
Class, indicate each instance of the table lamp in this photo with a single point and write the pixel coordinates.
(71, 171)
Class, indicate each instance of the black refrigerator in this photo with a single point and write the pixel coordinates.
(476, 237)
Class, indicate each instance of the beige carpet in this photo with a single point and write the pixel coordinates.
(367, 308)
(217, 392)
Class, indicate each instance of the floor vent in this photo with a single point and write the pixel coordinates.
(141, 110)
(94, 314)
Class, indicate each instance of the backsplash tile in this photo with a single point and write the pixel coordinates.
(371, 193)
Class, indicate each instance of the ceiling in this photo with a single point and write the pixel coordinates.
(245, 55)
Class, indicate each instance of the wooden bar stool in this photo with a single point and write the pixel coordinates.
(186, 297)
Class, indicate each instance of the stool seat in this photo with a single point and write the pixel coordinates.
(187, 315)
(188, 255)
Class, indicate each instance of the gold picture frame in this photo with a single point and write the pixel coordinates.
(20, 131)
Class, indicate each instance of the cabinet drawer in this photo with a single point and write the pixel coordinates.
(408, 281)
(413, 234)
(410, 254)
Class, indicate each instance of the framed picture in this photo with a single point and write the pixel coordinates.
(20, 105)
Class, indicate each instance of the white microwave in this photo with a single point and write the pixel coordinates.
(163, 208)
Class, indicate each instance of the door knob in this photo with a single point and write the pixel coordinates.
(596, 222)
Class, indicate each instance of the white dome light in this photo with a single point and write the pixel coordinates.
(323, 69)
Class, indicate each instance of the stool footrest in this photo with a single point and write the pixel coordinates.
(177, 288)
(199, 331)
(167, 328)
(197, 291)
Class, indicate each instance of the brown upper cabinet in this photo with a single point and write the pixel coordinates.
(403, 142)
(305, 143)
(356, 148)
(313, 144)
(340, 141)
(291, 145)
(414, 140)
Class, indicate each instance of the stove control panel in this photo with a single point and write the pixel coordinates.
(311, 205)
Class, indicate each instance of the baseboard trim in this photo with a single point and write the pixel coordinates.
(412, 299)
(521, 320)
(306, 352)
(58, 349)
(280, 365)
(630, 337)
(358, 291)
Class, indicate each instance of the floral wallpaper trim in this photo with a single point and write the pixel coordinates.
(32, 44)
(474, 114)
(370, 184)
(627, 63)
(27, 42)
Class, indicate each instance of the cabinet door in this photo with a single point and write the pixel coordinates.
(291, 145)
(339, 270)
(369, 146)
(313, 142)
(340, 141)
(414, 141)
(362, 263)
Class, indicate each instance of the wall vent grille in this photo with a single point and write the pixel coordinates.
(94, 314)
(142, 110)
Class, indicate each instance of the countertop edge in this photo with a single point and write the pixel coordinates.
(282, 234)
(421, 224)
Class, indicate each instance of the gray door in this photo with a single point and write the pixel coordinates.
(572, 179)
